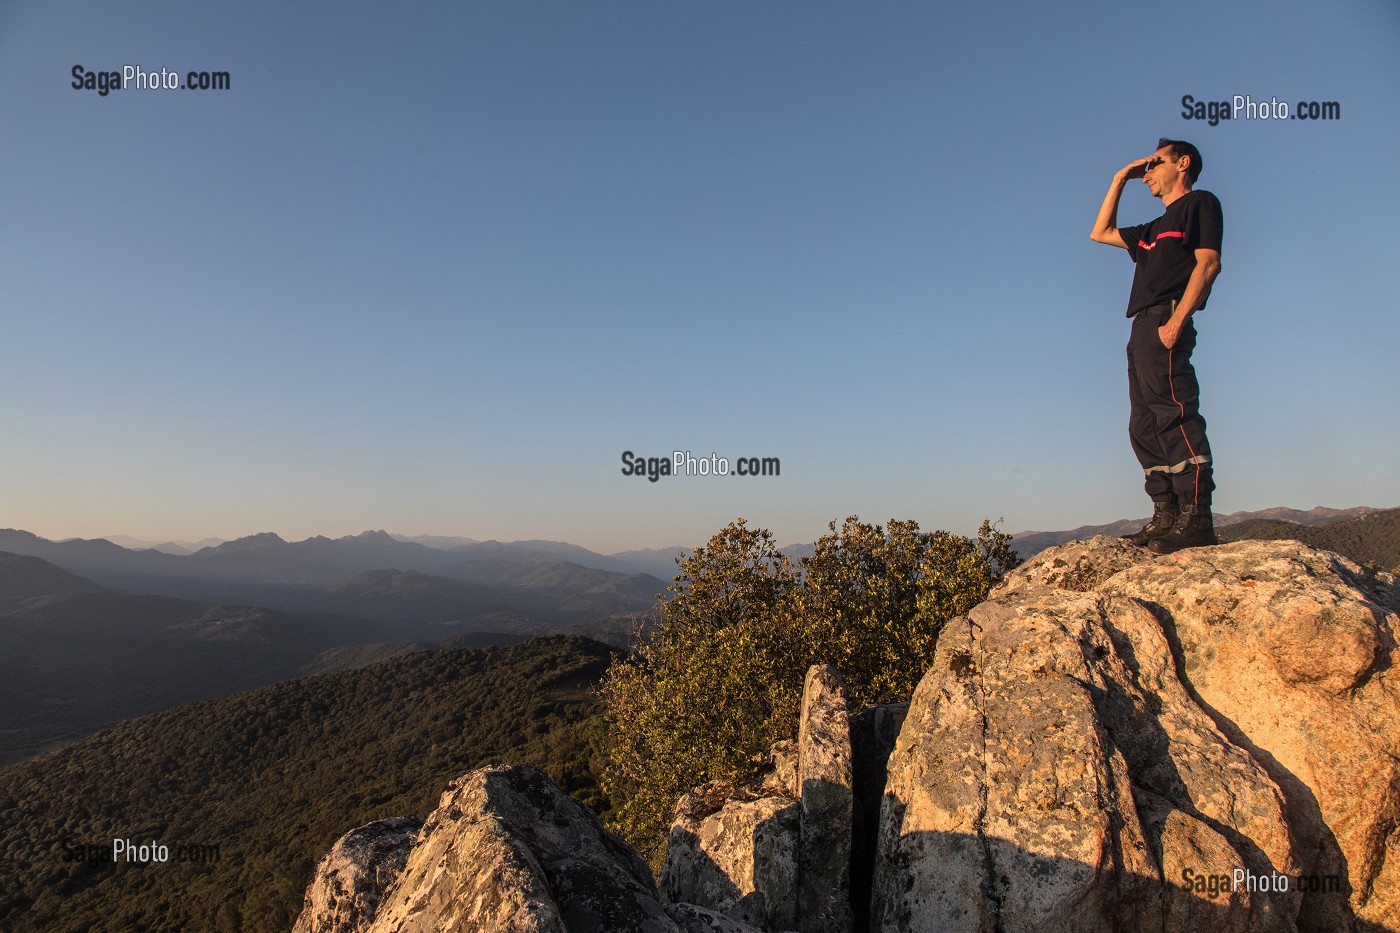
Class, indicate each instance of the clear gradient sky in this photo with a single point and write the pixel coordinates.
(432, 267)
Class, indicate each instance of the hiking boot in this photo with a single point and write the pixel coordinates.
(1163, 518)
(1195, 527)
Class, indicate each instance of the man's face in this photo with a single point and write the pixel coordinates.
(1162, 173)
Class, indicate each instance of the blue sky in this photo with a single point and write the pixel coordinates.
(433, 267)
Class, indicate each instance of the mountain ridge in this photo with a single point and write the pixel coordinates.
(529, 580)
(658, 562)
(1029, 543)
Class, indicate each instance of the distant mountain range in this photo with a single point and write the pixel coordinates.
(314, 575)
(168, 547)
(92, 633)
(435, 540)
(325, 560)
(544, 581)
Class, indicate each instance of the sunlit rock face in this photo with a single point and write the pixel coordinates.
(1116, 741)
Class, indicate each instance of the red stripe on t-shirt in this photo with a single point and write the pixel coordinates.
(1176, 233)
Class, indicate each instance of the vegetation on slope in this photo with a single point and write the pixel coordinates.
(273, 777)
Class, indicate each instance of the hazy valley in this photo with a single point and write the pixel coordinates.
(92, 633)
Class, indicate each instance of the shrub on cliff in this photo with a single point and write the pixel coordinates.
(720, 677)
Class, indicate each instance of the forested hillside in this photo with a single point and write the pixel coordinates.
(1371, 540)
(272, 777)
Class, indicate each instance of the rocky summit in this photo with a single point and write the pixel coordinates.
(1113, 741)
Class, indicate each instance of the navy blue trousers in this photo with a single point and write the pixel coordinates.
(1165, 424)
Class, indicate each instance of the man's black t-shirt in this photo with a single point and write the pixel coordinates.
(1165, 249)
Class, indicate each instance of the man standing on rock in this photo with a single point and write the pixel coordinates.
(1177, 258)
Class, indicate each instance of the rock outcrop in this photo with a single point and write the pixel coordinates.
(505, 851)
(349, 884)
(824, 773)
(1112, 742)
(734, 849)
(780, 851)
(1119, 742)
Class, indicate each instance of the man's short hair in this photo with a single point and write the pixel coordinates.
(1182, 148)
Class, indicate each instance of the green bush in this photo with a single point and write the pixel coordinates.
(719, 679)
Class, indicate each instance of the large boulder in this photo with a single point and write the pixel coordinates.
(1290, 651)
(1118, 742)
(506, 850)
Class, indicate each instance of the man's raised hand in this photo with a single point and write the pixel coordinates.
(1137, 168)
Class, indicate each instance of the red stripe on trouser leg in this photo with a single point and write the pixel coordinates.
(1171, 383)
